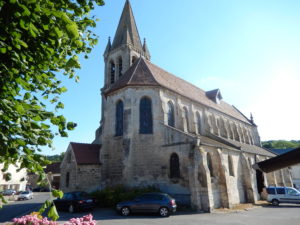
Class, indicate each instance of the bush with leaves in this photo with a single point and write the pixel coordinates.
(39, 41)
(110, 196)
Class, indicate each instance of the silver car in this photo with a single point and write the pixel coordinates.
(277, 195)
(9, 192)
(25, 195)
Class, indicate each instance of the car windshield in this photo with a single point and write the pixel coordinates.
(24, 192)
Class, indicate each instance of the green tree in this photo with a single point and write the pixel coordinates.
(39, 40)
(281, 144)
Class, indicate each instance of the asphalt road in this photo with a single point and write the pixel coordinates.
(20, 208)
(267, 215)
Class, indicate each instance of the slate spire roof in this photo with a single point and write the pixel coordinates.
(108, 47)
(146, 50)
(127, 32)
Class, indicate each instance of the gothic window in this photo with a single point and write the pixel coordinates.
(119, 118)
(174, 166)
(198, 118)
(146, 122)
(214, 124)
(67, 179)
(171, 118)
(112, 72)
(236, 134)
(224, 132)
(185, 120)
(120, 66)
(230, 166)
(133, 59)
(210, 165)
(231, 134)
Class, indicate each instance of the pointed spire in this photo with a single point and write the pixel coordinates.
(127, 27)
(146, 50)
(108, 47)
(251, 118)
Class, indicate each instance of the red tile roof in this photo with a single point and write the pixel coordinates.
(144, 73)
(53, 168)
(86, 153)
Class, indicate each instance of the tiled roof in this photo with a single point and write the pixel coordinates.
(281, 151)
(53, 168)
(230, 144)
(86, 153)
(144, 73)
(281, 161)
(248, 148)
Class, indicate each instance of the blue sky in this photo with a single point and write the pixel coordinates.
(248, 49)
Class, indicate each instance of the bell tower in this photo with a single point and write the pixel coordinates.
(126, 47)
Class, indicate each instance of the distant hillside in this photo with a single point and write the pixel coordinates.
(56, 158)
(281, 144)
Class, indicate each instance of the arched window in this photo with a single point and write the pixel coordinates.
(67, 179)
(185, 120)
(120, 62)
(112, 72)
(198, 118)
(133, 59)
(146, 123)
(230, 166)
(236, 133)
(171, 118)
(119, 118)
(210, 165)
(174, 166)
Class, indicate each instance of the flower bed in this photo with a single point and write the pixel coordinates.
(36, 219)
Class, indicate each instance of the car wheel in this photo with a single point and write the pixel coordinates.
(71, 209)
(164, 211)
(275, 202)
(125, 211)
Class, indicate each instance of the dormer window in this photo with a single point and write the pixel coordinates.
(214, 95)
(133, 60)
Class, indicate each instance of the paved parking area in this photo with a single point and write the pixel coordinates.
(267, 215)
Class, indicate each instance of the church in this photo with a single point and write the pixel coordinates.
(158, 129)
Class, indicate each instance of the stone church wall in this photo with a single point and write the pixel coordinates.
(68, 166)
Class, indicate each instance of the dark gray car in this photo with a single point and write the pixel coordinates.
(160, 203)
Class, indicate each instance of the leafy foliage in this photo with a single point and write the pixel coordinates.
(110, 196)
(281, 144)
(39, 40)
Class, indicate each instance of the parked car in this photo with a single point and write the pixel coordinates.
(9, 192)
(277, 195)
(160, 203)
(75, 201)
(25, 195)
(41, 189)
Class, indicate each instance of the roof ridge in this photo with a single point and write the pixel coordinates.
(136, 66)
(145, 61)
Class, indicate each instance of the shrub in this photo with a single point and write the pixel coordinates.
(110, 196)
